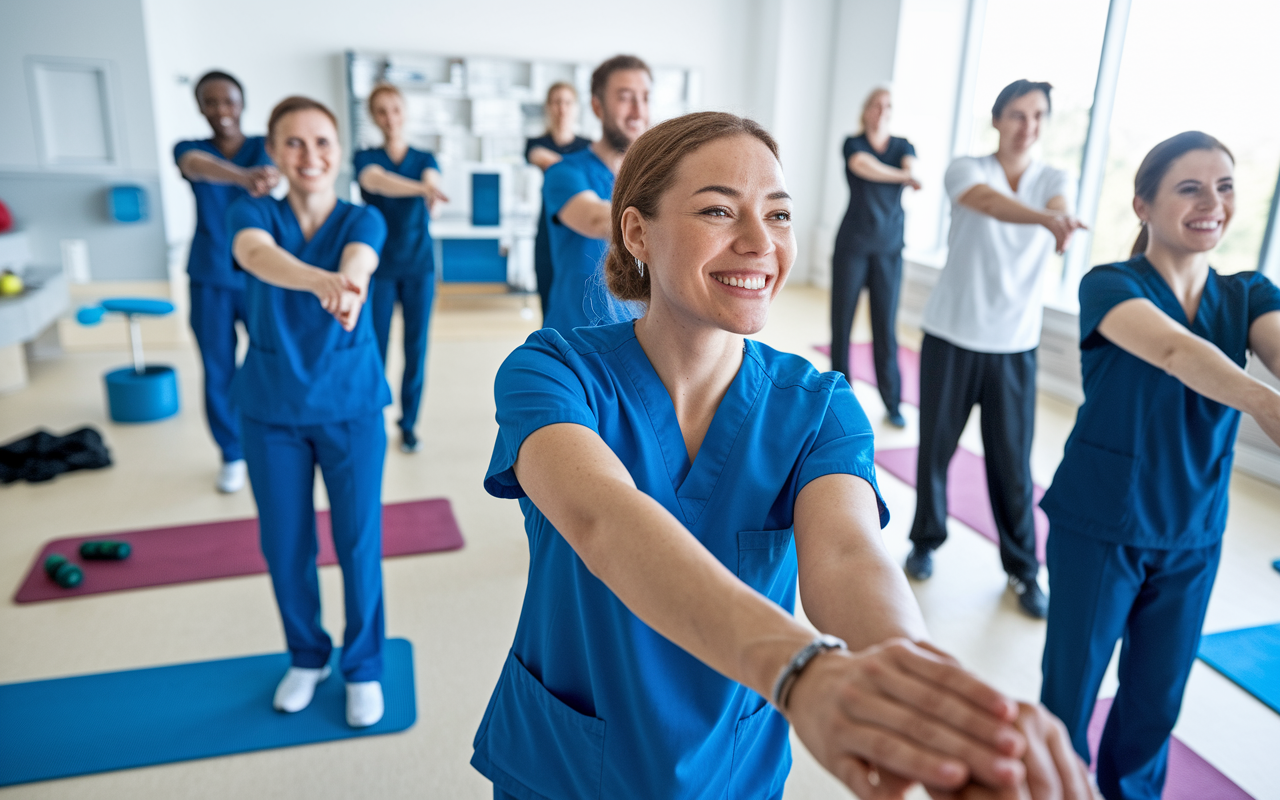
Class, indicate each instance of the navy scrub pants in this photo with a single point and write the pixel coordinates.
(282, 460)
(415, 294)
(1155, 600)
(214, 311)
(952, 381)
(881, 273)
(542, 268)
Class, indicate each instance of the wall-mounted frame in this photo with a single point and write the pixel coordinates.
(73, 110)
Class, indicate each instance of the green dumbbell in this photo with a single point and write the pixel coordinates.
(105, 551)
(63, 572)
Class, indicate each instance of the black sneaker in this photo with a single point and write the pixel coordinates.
(896, 419)
(920, 563)
(1031, 598)
(408, 442)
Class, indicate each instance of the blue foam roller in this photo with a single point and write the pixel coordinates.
(147, 397)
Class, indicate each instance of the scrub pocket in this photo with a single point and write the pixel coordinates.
(531, 736)
(758, 741)
(767, 561)
(1095, 484)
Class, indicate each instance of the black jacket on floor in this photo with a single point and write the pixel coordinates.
(41, 456)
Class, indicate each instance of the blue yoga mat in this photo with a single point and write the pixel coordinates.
(1250, 658)
(117, 720)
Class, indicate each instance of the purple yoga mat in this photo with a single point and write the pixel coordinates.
(863, 367)
(967, 498)
(210, 550)
(1190, 777)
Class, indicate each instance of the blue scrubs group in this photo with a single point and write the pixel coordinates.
(217, 289)
(1137, 511)
(406, 273)
(542, 267)
(578, 293)
(592, 702)
(311, 394)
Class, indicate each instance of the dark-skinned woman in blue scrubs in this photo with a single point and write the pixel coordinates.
(311, 392)
(1138, 506)
(561, 138)
(404, 184)
(221, 170)
(676, 480)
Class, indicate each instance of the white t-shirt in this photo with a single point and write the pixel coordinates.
(988, 298)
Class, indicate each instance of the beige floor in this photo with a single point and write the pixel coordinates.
(459, 609)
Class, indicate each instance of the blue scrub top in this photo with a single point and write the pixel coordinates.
(592, 702)
(408, 252)
(579, 296)
(302, 368)
(1149, 461)
(210, 260)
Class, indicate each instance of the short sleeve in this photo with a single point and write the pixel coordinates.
(563, 182)
(536, 387)
(963, 174)
(845, 445)
(1264, 296)
(247, 213)
(1061, 185)
(1102, 289)
(855, 144)
(182, 148)
(430, 162)
(529, 144)
(370, 228)
(260, 157)
(361, 159)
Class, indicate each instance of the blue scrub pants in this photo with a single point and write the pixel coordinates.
(282, 461)
(214, 311)
(415, 295)
(1156, 601)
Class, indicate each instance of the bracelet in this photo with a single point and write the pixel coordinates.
(787, 677)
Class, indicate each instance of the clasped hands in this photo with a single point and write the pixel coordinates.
(261, 180)
(901, 713)
(340, 296)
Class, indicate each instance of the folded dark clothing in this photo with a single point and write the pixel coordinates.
(41, 456)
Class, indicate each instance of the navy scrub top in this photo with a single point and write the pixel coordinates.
(592, 702)
(578, 293)
(302, 368)
(408, 252)
(210, 260)
(874, 220)
(1149, 461)
(549, 142)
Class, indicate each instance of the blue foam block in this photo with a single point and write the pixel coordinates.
(1250, 658)
(118, 720)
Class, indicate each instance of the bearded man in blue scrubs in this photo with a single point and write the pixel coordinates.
(577, 191)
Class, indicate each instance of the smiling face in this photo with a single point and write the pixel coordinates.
(305, 148)
(720, 246)
(387, 110)
(1020, 122)
(562, 109)
(876, 115)
(624, 109)
(1193, 205)
(221, 104)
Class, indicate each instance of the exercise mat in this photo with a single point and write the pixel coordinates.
(863, 366)
(1249, 658)
(209, 550)
(119, 720)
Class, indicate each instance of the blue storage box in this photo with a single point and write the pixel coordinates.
(127, 203)
(473, 261)
(486, 198)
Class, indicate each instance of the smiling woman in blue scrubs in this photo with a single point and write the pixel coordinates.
(221, 170)
(1139, 503)
(404, 184)
(311, 392)
(677, 479)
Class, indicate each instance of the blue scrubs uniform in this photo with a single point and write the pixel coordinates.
(406, 273)
(312, 394)
(592, 702)
(542, 243)
(217, 290)
(579, 296)
(1137, 511)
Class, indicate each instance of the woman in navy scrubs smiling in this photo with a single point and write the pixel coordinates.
(1139, 503)
(311, 392)
(676, 478)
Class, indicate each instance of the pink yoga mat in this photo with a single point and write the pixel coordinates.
(863, 367)
(967, 498)
(1190, 777)
(210, 550)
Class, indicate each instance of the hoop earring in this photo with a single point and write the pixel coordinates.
(640, 266)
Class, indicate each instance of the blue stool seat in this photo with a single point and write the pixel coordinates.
(141, 393)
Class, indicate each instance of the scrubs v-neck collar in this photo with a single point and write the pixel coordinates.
(1174, 305)
(297, 226)
(693, 482)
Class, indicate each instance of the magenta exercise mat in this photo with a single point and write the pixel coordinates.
(1190, 777)
(863, 367)
(967, 498)
(209, 550)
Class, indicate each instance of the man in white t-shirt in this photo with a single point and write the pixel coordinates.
(1010, 212)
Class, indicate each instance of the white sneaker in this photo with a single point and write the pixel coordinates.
(364, 703)
(232, 476)
(297, 687)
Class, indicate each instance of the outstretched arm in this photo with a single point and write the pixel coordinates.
(542, 158)
(1142, 329)
(257, 252)
(586, 214)
(376, 180)
(870, 168)
(198, 166)
(1054, 216)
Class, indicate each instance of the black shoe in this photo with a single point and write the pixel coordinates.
(896, 419)
(1031, 599)
(408, 442)
(920, 563)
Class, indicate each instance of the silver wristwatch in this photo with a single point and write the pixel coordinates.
(787, 677)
